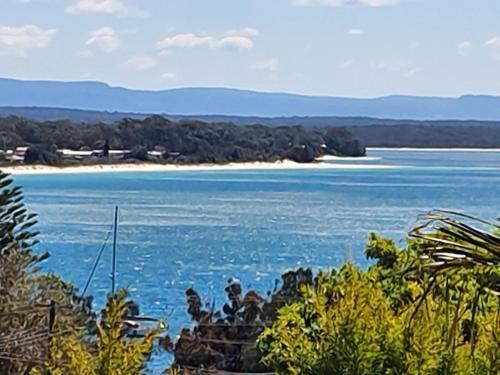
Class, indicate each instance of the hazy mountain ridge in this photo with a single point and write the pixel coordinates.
(98, 96)
(90, 116)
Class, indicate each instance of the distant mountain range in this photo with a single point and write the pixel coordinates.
(96, 96)
(42, 114)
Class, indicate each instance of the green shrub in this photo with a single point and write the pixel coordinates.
(112, 353)
(407, 314)
(344, 326)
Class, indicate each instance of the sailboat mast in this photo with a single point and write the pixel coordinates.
(113, 264)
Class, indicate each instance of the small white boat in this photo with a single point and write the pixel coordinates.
(140, 326)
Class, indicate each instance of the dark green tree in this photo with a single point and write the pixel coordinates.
(26, 293)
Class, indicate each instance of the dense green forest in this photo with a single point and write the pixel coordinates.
(428, 136)
(190, 141)
(373, 132)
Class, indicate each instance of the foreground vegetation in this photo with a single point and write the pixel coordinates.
(432, 307)
(46, 327)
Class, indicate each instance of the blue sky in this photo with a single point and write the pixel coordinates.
(360, 48)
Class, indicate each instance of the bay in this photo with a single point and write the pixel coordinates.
(200, 229)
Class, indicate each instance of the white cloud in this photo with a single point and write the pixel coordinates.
(234, 42)
(246, 32)
(463, 47)
(232, 39)
(185, 41)
(493, 42)
(355, 31)
(98, 6)
(341, 3)
(17, 40)
(169, 76)
(396, 66)
(271, 64)
(104, 38)
(140, 63)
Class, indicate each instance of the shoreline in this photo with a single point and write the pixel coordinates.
(326, 162)
(39, 169)
(433, 149)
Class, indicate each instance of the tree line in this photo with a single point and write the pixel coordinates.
(193, 141)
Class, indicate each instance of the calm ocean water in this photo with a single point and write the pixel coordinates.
(183, 229)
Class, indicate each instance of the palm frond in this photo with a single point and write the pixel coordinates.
(449, 243)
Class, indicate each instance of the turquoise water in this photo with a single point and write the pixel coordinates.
(183, 229)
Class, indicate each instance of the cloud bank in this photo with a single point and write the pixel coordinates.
(237, 39)
(17, 40)
(104, 38)
(98, 6)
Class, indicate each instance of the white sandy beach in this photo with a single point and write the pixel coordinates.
(347, 158)
(152, 167)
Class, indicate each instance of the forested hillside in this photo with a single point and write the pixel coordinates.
(182, 142)
(374, 132)
(428, 136)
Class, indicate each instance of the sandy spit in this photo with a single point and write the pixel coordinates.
(154, 167)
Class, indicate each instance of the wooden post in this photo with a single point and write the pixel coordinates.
(52, 320)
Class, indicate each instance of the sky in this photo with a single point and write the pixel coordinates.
(356, 48)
